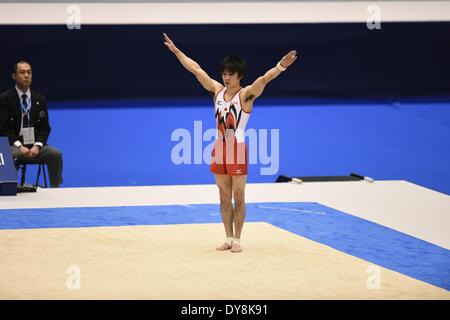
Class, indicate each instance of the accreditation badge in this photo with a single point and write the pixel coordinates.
(28, 135)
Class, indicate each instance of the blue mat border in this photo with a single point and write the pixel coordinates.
(378, 244)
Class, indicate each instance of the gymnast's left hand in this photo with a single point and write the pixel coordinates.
(289, 59)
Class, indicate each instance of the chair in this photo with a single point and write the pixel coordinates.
(40, 168)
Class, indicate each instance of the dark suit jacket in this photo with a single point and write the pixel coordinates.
(11, 116)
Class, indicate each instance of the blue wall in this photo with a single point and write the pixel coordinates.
(120, 143)
(119, 133)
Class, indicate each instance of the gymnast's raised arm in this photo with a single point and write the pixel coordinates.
(256, 88)
(209, 84)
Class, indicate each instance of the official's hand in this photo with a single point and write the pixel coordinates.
(289, 59)
(34, 152)
(169, 43)
(24, 150)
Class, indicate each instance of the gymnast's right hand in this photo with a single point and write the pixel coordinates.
(169, 43)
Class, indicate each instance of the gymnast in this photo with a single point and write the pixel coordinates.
(232, 107)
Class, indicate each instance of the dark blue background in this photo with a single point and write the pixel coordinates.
(131, 61)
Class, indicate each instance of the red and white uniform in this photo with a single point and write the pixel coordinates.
(229, 155)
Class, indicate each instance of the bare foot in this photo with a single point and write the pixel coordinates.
(223, 247)
(236, 248)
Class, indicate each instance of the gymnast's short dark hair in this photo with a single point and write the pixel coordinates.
(233, 63)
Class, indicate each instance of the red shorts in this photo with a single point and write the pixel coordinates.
(229, 158)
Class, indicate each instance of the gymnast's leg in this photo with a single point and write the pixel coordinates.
(224, 183)
(238, 186)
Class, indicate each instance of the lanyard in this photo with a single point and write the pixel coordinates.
(26, 110)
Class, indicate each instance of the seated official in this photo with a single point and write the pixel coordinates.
(24, 119)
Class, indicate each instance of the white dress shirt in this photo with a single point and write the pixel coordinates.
(17, 143)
